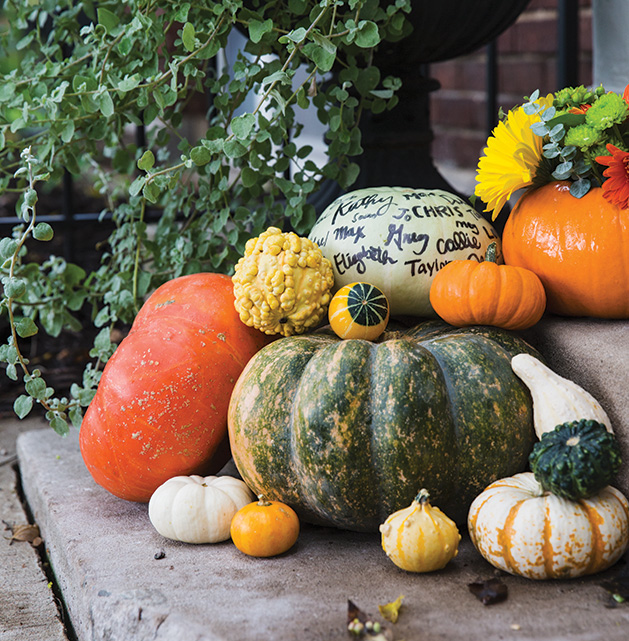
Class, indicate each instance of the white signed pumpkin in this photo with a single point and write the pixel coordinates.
(397, 239)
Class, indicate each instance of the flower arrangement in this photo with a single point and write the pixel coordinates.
(576, 134)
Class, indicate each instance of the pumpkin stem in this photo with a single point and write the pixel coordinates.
(490, 254)
(262, 501)
(422, 497)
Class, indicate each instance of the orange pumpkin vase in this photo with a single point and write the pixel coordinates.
(579, 248)
(161, 405)
(466, 292)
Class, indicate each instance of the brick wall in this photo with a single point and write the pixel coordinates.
(527, 60)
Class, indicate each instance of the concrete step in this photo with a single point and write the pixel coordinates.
(103, 553)
(27, 603)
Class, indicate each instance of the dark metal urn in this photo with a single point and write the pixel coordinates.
(397, 143)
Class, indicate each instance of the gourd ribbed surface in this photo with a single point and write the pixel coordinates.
(576, 459)
(345, 432)
(359, 310)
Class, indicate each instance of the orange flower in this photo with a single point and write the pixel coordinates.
(616, 187)
(579, 110)
(625, 94)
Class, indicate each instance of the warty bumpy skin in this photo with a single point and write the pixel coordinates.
(282, 284)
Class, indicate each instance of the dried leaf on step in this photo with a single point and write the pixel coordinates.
(391, 611)
(361, 626)
(490, 591)
(24, 532)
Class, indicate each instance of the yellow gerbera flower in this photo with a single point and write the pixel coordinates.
(510, 159)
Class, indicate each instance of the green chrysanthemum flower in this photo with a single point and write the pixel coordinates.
(609, 110)
(575, 97)
(583, 136)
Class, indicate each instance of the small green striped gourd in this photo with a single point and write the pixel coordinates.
(345, 431)
(577, 459)
(521, 529)
(359, 310)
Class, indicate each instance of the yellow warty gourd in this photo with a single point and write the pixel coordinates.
(282, 283)
(556, 400)
(420, 538)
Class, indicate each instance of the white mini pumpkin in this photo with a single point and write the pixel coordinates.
(521, 529)
(197, 509)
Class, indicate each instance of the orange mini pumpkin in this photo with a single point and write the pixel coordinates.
(579, 248)
(466, 292)
(265, 528)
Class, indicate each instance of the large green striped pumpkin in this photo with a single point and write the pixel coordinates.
(346, 432)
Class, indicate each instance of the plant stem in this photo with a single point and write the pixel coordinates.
(136, 263)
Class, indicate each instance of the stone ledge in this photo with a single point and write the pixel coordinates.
(102, 550)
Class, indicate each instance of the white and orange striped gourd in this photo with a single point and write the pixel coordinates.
(521, 529)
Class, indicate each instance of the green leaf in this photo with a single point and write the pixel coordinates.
(200, 155)
(43, 231)
(60, 425)
(102, 318)
(36, 387)
(125, 46)
(248, 176)
(136, 186)
(296, 35)
(30, 197)
(8, 247)
(151, 191)
(76, 416)
(14, 287)
(68, 131)
(242, 125)
(107, 19)
(147, 161)
(106, 104)
(11, 371)
(25, 327)
(367, 80)
(234, 149)
(323, 57)
(129, 83)
(23, 405)
(188, 37)
(102, 342)
(258, 28)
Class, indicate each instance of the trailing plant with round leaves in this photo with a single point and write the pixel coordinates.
(577, 459)
(84, 73)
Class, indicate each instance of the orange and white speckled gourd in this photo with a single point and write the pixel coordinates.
(282, 283)
(521, 529)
